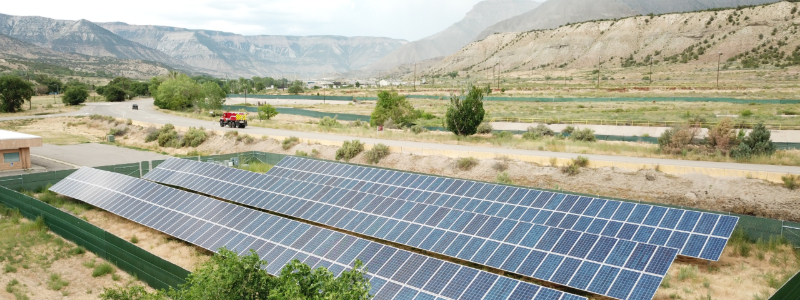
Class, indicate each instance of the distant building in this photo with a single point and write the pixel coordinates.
(15, 148)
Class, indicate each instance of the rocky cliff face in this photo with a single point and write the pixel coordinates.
(81, 37)
(19, 55)
(228, 54)
(458, 35)
(554, 13)
(765, 35)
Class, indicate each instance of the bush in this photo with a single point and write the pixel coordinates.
(392, 106)
(118, 131)
(568, 130)
(417, 129)
(56, 283)
(290, 142)
(581, 161)
(465, 115)
(75, 95)
(314, 153)
(542, 130)
(246, 139)
(746, 113)
(267, 112)
(152, 134)
(571, 169)
(503, 178)
(102, 269)
(791, 181)
(300, 153)
(723, 136)
(757, 143)
(531, 136)
(675, 140)
(349, 150)
(585, 135)
(195, 137)
(485, 128)
(466, 163)
(377, 153)
(390, 124)
(330, 123)
(168, 137)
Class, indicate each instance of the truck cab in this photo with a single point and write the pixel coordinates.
(233, 120)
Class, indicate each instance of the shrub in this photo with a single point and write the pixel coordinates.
(290, 142)
(118, 131)
(465, 112)
(267, 112)
(377, 153)
(723, 136)
(300, 153)
(501, 165)
(417, 129)
(568, 130)
(231, 134)
(330, 122)
(314, 153)
(77, 251)
(485, 128)
(195, 137)
(134, 239)
(390, 124)
(393, 106)
(503, 178)
(102, 269)
(466, 163)
(168, 139)
(56, 283)
(542, 130)
(791, 181)
(152, 134)
(676, 139)
(581, 161)
(746, 113)
(75, 95)
(571, 169)
(758, 142)
(531, 136)
(585, 135)
(246, 139)
(349, 150)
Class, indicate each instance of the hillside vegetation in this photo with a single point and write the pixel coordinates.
(752, 38)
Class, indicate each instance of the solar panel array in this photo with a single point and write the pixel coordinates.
(212, 224)
(604, 265)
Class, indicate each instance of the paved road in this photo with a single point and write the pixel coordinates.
(146, 113)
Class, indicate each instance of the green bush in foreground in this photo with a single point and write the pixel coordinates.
(349, 150)
(290, 142)
(230, 276)
(466, 163)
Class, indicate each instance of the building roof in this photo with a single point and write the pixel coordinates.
(16, 140)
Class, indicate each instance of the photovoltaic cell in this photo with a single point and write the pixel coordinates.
(455, 229)
(393, 272)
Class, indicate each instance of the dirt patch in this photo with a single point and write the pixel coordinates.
(175, 251)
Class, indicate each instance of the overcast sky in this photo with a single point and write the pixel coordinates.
(404, 19)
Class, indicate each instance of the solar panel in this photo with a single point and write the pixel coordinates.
(695, 234)
(506, 244)
(212, 224)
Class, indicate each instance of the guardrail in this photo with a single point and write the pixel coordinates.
(643, 123)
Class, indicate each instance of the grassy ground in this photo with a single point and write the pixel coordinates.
(37, 264)
(42, 105)
(605, 113)
(788, 157)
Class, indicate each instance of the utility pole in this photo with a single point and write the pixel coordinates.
(651, 69)
(599, 65)
(719, 60)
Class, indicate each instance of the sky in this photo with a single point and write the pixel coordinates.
(402, 19)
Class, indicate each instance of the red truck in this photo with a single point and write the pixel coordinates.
(233, 120)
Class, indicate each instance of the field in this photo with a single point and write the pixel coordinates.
(42, 105)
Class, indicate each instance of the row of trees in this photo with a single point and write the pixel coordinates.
(464, 113)
(722, 138)
(179, 91)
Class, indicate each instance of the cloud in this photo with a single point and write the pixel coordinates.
(404, 19)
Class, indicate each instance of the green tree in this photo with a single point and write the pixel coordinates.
(140, 89)
(155, 82)
(114, 93)
(54, 85)
(757, 142)
(214, 96)
(75, 94)
(260, 86)
(14, 91)
(230, 276)
(453, 74)
(266, 112)
(358, 84)
(465, 115)
(392, 106)
(178, 92)
(296, 88)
